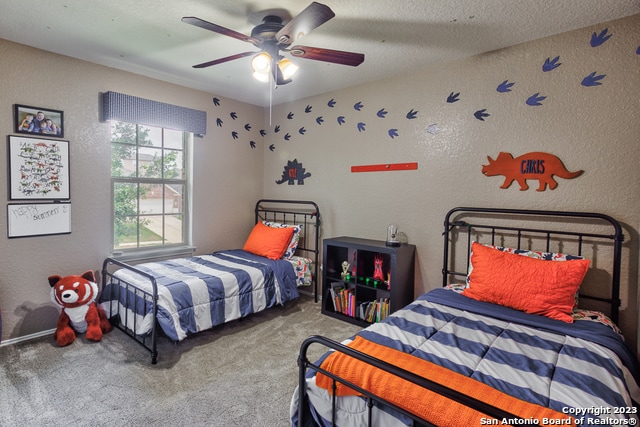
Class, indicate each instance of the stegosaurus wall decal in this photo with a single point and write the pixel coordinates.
(293, 172)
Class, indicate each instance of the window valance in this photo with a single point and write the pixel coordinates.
(128, 108)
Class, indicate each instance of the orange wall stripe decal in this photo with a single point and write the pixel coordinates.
(385, 167)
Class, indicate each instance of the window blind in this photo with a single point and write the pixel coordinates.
(131, 109)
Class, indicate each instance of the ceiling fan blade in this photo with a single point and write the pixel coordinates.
(219, 29)
(311, 17)
(327, 55)
(225, 59)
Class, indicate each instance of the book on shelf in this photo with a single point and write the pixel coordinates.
(344, 299)
(374, 311)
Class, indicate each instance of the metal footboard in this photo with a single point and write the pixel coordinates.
(126, 296)
(371, 398)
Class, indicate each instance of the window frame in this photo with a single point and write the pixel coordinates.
(142, 251)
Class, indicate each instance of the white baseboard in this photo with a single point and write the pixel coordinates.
(12, 341)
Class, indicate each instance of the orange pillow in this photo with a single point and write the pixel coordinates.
(267, 241)
(527, 284)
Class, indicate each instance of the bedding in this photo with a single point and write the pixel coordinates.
(187, 295)
(572, 368)
(546, 256)
(270, 242)
(295, 237)
(196, 293)
(532, 285)
(302, 268)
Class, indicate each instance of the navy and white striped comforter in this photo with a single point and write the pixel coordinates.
(197, 293)
(551, 363)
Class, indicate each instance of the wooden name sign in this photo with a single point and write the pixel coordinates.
(536, 165)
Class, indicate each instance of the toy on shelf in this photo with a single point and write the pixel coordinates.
(377, 268)
(345, 270)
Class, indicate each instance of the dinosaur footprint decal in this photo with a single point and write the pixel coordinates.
(453, 97)
(535, 100)
(551, 64)
(481, 114)
(599, 39)
(505, 86)
(593, 80)
(412, 114)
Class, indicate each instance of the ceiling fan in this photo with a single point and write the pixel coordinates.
(273, 36)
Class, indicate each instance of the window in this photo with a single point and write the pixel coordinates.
(150, 186)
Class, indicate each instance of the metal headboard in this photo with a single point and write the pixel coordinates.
(297, 212)
(490, 224)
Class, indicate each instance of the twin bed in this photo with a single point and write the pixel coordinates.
(184, 296)
(515, 336)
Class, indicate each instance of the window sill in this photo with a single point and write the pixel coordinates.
(144, 255)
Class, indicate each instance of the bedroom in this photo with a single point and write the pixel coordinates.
(590, 128)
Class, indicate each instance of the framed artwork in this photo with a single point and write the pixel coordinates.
(38, 219)
(38, 169)
(39, 121)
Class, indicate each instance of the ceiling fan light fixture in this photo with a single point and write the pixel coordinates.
(275, 34)
(263, 77)
(261, 63)
(287, 68)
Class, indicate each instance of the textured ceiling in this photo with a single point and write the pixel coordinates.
(147, 37)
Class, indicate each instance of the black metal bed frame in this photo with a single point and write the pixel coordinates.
(452, 224)
(302, 212)
(267, 210)
(521, 233)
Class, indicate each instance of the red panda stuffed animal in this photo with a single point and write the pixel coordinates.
(76, 295)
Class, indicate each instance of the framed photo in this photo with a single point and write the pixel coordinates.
(38, 121)
(38, 169)
(38, 219)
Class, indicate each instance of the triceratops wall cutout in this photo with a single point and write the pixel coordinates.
(535, 165)
(293, 172)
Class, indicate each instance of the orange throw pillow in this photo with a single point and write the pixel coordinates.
(267, 241)
(526, 284)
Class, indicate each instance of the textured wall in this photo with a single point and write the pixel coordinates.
(450, 118)
(227, 184)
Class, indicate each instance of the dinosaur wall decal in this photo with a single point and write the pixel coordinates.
(535, 165)
(293, 172)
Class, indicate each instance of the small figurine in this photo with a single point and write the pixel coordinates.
(377, 268)
(345, 269)
(354, 266)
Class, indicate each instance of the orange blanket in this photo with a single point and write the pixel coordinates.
(430, 406)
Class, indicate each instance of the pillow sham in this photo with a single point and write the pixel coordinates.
(523, 283)
(295, 238)
(547, 256)
(267, 241)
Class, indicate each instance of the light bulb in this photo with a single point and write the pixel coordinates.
(287, 68)
(263, 77)
(261, 62)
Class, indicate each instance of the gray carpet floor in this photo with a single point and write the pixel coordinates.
(240, 374)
